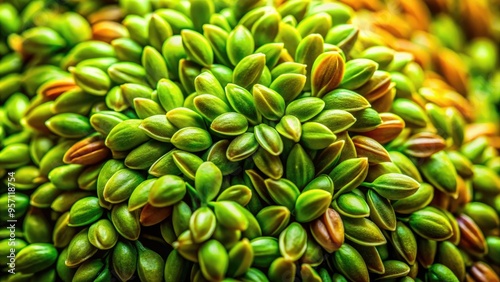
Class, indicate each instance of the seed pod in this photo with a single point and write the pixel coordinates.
(238, 193)
(412, 203)
(314, 255)
(65, 177)
(461, 163)
(201, 52)
(311, 204)
(273, 219)
(391, 127)
(217, 35)
(149, 264)
(126, 135)
(235, 50)
(88, 151)
(366, 120)
(42, 197)
(483, 272)
(35, 257)
(441, 173)
(126, 223)
(145, 155)
(343, 99)
(426, 251)
(309, 48)
(94, 270)
(282, 269)
(249, 70)
(431, 224)
(289, 85)
(121, 185)
(439, 272)
(80, 249)
(158, 127)
(485, 180)
(449, 255)
(493, 243)
(336, 120)
(269, 164)
(228, 237)
(42, 40)
(132, 91)
(186, 247)
(175, 261)
(191, 139)
(381, 211)
(211, 106)
(103, 235)
(471, 237)
(166, 191)
(316, 136)
(352, 205)
(405, 165)
(305, 108)
(269, 102)
(69, 125)
(104, 121)
(254, 274)
(65, 200)
(265, 249)
(230, 215)
(202, 224)
(350, 263)
(242, 147)
(357, 73)
(208, 181)
(328, 230)
(395, 269)
(290, 127)
(229, 124)
(124, 260)
(373, 257)
(283, 192)
(293, 242)
(483, 215)
(240, 258)
(327, 72)
(85, 211)
(186, 163)
(213, 260)
(411, 113)
(404, 242)
(394, 186)
(348, 175)
(146, 107)
(363, 231)
(92, 80)
(371, 149)
(243, 102)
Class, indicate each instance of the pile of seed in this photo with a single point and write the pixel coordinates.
(237, 141)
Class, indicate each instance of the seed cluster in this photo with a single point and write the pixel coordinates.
(206, 140)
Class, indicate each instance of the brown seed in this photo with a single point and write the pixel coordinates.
(107, 31)
(88, 151)
(152, 215)
(55, 88)
(481, 272)
(472, 238)
(328, 230)
(367, 147)
(424, 144)
(391, 127)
